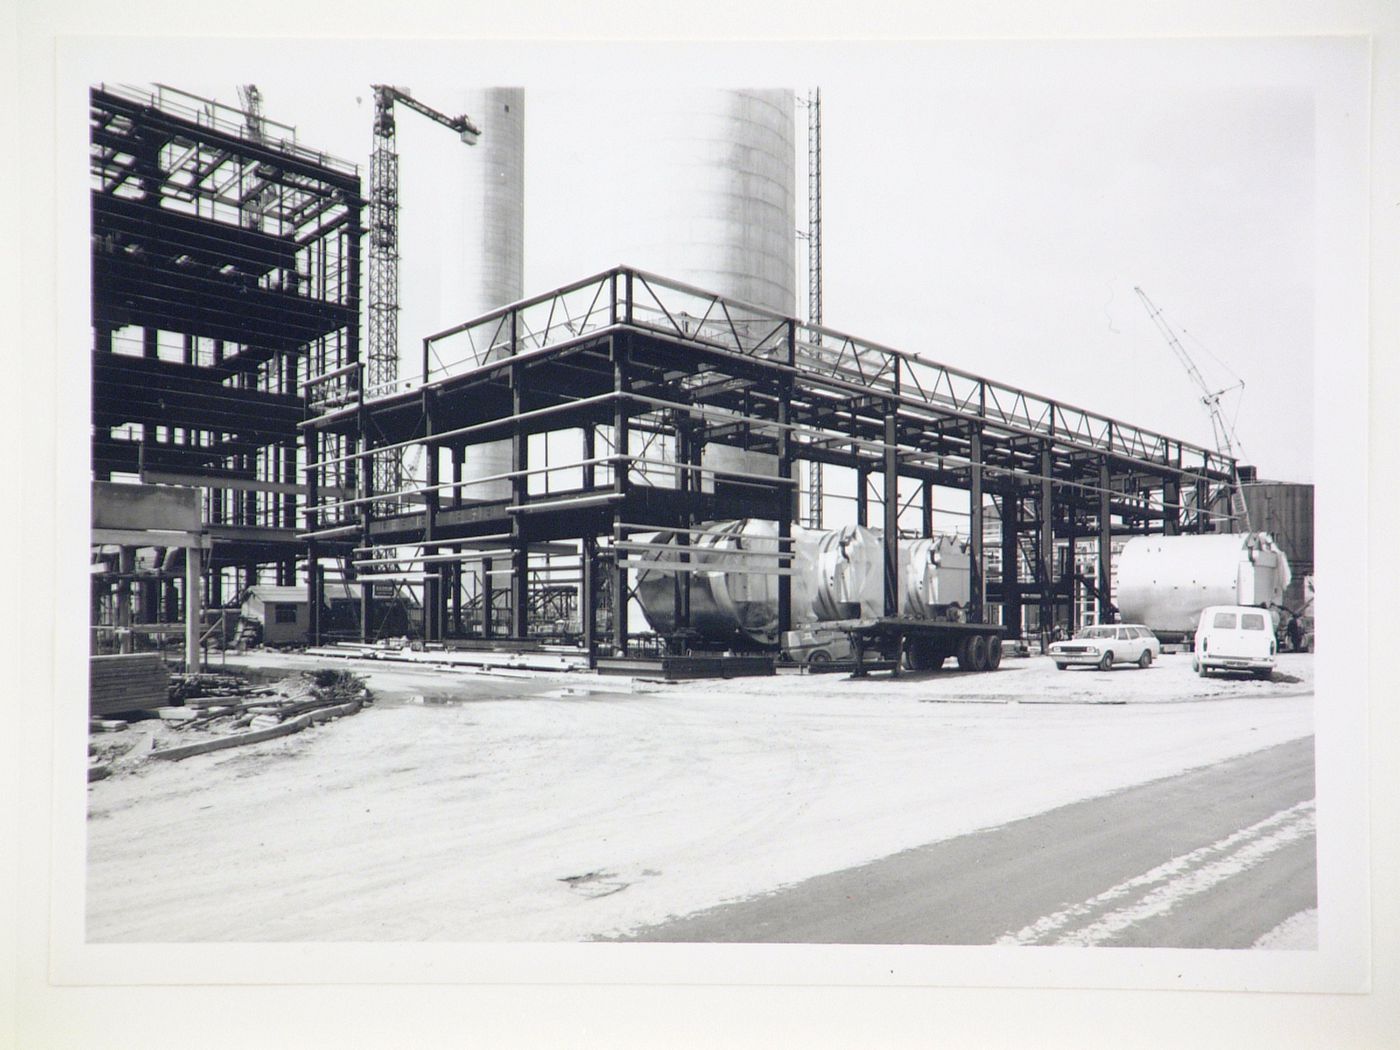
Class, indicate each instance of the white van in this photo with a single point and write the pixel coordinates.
(1235, 638)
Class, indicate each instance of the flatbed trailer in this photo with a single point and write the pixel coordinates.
(925, 643)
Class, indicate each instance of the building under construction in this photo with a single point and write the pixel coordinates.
(685, 408)
(225, 270)
(547, 452)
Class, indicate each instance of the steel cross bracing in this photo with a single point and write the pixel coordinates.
(840, 368)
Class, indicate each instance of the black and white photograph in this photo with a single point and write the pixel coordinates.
(888, 515)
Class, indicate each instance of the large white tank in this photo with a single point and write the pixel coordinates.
(483, 264)
(839, 575)
(713, 203)
(1165, 581)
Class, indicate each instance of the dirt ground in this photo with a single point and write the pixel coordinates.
(515, 807)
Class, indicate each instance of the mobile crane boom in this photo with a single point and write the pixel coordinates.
(1226, 442)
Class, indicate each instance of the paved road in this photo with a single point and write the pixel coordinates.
(1212, 858)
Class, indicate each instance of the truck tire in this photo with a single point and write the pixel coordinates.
(964, 654)
(1106, 664)
(923, 654)
(976, 648)
(993, 652)
(1145, 660)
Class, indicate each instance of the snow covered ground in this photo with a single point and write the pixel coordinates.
(559, 807)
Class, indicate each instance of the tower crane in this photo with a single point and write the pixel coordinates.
(255, 206)
(383, 344)
(1226, 441)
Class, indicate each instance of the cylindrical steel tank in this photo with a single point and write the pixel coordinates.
(935, 572)
(483, 266)
(1165, 581)
(839, 575)
(714, 202)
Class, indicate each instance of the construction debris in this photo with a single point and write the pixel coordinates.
(224, 711)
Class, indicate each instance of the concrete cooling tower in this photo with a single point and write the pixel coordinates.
(714, 204)
(483, 265)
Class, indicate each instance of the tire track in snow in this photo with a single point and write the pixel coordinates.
(1161, 889)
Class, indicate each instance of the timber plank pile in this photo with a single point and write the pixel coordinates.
(127, 682)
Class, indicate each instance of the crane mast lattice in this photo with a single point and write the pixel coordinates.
(814, 270)
(382, 364)
(1226, 441)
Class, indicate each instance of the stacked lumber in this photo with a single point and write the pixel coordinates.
(127, 682)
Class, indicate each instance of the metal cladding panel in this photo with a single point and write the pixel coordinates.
(1165, 581)
(484, 265)
(1285, 511)
(715, 205)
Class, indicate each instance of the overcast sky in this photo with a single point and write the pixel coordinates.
(989, 206)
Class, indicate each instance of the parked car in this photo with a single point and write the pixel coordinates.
(1106, 644)
(1235, 638)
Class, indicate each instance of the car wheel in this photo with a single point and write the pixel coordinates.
(1145, 660)
(1106, 664)
(1061, 667)
(821, 656)
(1201, 670)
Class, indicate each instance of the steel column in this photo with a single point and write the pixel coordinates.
(891, 515)
(193, 609)
(976, 538)
(519, 496)
(1171, 506)
(1048, 586)
(1105, 543)
(789, 497)
(621, 445)
(1011, 556)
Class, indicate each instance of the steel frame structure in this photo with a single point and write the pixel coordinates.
(225, 270)
(646, 373)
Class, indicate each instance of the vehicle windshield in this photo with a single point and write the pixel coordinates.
(1095, 632)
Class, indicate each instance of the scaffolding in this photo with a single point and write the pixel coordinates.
(646, 378)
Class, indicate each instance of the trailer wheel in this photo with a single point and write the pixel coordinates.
(975, 651)
(993, 652)
(1106, 664)
(923, 654)
(964, 654)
